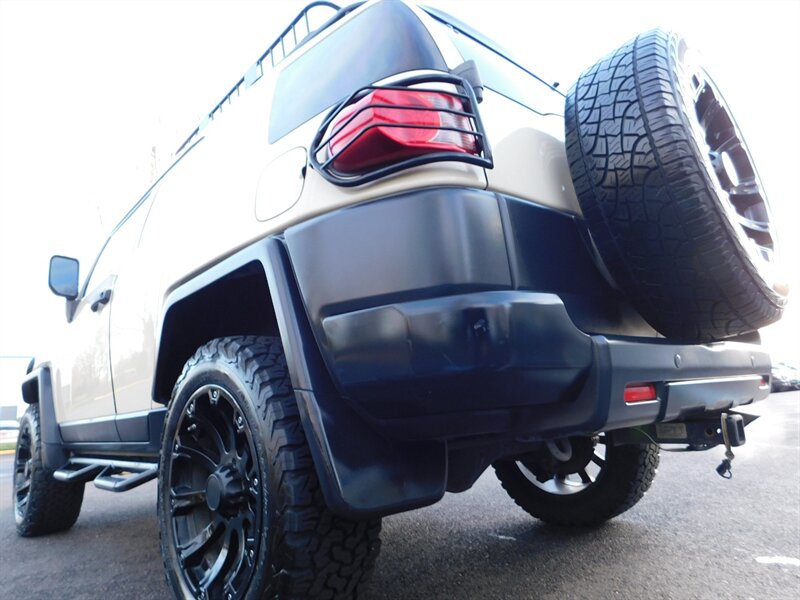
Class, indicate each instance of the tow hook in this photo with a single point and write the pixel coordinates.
(732, 427)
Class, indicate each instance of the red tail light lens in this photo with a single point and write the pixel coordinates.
(640, 392)
(380, 130)
(390, 125)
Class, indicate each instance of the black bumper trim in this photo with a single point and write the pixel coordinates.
(427, 321)
(514, 363)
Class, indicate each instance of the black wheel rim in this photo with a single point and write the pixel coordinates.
(741, 193)
(567, 483)
(23, 469)
(215, 498)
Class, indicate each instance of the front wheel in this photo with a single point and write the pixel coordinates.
(42, 505)
(240, 509)
(580, 481)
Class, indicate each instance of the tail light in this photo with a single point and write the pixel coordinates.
(383, 129)
(387, 126)
(640, 392)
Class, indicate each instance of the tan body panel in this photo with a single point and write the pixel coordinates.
(226, 193)
(530, 161)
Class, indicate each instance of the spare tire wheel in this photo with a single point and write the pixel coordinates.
(670, 193)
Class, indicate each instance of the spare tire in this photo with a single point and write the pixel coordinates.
(670, 193)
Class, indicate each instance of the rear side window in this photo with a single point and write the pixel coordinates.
(507, 79)
(384, 40)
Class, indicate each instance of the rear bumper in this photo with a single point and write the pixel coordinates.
(449, 313)
(432, 333)
(513, 363)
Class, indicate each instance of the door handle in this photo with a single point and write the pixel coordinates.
(101, 299)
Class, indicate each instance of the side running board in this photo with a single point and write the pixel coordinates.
(108, 474)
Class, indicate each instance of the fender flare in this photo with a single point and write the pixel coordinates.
(37, 388)
(362, 474)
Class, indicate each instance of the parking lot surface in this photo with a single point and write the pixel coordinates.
(694, 535)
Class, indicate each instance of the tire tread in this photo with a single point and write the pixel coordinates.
(52, 505)
(650, 203)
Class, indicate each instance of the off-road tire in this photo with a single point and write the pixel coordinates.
(304, 551)
(668, 221)
(49, 505)
(623, 481)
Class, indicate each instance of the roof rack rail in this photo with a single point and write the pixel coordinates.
(282, 47)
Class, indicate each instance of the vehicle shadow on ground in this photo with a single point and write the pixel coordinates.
(525, 558)
(120, 542)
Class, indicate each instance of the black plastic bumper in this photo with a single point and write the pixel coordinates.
(448, 313)
(513, 363)
(446, 326)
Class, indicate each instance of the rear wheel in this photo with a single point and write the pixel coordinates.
(240, 507)
(580, 480)
(41, 504)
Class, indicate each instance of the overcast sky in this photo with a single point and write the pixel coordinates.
(88, 89)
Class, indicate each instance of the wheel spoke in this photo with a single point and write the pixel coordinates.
(239, 561)
(598, 460)
(193, 454)
(726, 140)
(185, 500)
(752, 225)
(708, 109)
(746, 187)
(584, 476)
(216, 569)
(192, 551)
(213, 432)
(248, 515)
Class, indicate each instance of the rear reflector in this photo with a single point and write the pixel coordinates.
(640, 392)
(390, 125)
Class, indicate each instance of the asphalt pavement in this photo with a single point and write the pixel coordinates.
(694, 535)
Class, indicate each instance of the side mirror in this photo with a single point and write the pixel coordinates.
(64, 277)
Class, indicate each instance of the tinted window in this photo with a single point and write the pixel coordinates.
(384, 40)
(498, 73)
